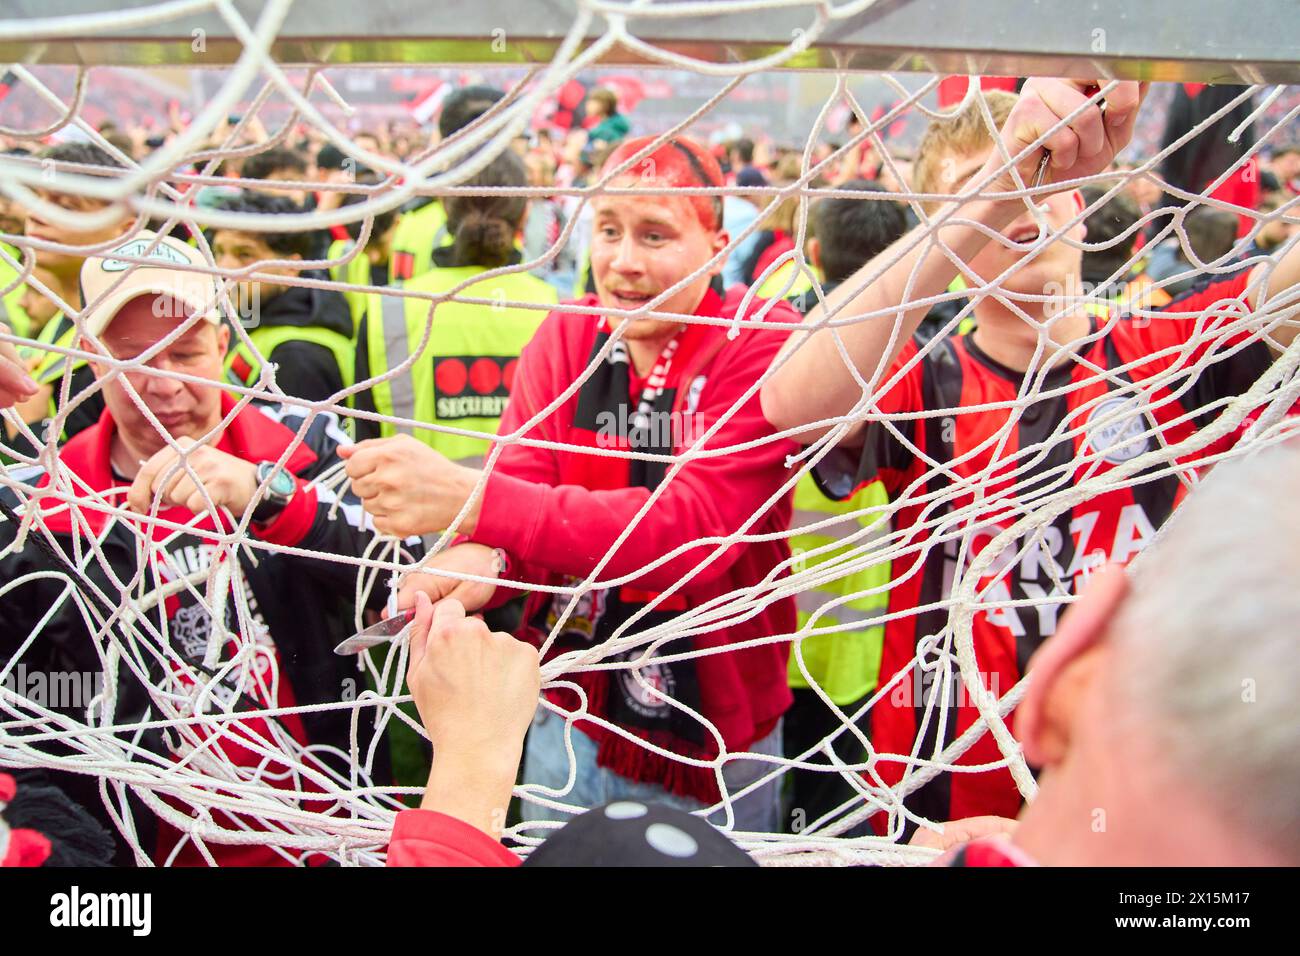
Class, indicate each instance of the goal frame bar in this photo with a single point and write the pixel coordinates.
(1159, 40)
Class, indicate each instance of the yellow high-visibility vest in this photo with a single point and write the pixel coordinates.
(846, 663)
(774, 285)
(463, 375)
(354, 272)
(12, 312)
(415, 237)
(60, 331)
(584, 275)
(967, 324)
(268, 338)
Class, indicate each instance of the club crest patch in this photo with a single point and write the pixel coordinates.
(1121, 438)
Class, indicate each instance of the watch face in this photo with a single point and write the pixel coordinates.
(282, 483)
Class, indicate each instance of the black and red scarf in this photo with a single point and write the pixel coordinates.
(610, 416)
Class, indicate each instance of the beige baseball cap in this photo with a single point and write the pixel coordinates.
(198, 292)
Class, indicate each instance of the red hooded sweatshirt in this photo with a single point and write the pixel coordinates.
(557, 514)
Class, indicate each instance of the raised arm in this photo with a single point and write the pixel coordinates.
(1283, 278)
(814, 384)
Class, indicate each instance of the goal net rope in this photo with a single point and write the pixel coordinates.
(299, 803)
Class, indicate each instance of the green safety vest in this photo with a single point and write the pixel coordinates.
(268, 338)
(774, 285)
(12, 313)
(462, 379)
(354, 272)
(845, 664)
(62, 332)
(415, 237)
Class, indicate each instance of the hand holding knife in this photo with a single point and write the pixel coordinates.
(386, 630)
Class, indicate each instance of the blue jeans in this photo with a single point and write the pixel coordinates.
(546, 763)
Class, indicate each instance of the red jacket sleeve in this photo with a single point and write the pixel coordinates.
(567, 529)
(528, 463)
(429, 838)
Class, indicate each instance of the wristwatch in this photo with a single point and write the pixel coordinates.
(280, 488)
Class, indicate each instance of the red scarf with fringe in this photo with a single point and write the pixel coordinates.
(618, 410)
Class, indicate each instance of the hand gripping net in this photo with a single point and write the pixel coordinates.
(292, 801)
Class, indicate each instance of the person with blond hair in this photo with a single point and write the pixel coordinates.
(946, 427)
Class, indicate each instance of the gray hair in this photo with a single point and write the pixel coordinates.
(1208, 641)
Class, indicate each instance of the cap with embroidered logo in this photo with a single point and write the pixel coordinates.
(109, 282)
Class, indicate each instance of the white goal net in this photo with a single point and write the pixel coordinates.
(226, 768)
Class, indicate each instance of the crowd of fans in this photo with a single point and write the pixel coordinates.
(394, 391)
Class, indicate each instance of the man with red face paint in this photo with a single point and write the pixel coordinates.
(579, 526)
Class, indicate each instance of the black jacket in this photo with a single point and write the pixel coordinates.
(306, 604)
(307, 370)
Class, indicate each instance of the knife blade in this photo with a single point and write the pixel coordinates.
(1042, 169)
(385, 630)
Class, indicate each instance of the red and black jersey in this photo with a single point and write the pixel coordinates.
(968, 447)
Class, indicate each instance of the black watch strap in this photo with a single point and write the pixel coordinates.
(267, 510)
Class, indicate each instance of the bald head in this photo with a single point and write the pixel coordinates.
(1163, 712)
(1207, 643)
